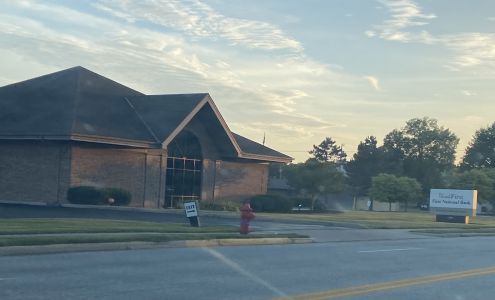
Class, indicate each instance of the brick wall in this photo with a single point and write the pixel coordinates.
(34, 171)
(156, 162)
(137, 171)
(240, 180)
(42, 171)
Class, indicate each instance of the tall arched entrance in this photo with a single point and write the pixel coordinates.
(184, 168)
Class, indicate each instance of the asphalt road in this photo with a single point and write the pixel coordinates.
(422, 268)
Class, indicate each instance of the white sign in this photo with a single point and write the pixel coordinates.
(460, 199)
(190, 208)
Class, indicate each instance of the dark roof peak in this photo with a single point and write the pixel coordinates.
(79, 104)
(78, 75)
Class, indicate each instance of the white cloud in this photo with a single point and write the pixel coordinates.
(405, 15)
(374, 82)
(196, 18)
(470, 49)
(369, 33)
(468, 93)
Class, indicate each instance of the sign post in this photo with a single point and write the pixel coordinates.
(191, 209)
(453, 205)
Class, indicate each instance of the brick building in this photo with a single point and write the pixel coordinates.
(75, 127)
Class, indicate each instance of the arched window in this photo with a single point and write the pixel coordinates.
(185, 144)
(184, 166)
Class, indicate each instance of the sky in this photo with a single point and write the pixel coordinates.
(294, 71)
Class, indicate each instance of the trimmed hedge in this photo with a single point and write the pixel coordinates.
(90, 195)
(120, 196)
(306, 202)
(280, 204)
(85, 195)
(271, 203)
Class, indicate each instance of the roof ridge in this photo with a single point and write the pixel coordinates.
(148, 128)
(106, 78)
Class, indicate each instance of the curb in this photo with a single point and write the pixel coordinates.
(90, 247)
(456, 234)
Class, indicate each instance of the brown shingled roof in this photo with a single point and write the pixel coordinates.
(78, 104)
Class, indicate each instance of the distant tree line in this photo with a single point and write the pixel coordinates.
(410, 161)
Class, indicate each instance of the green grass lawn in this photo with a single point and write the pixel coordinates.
(36, 226)
(385, 220)
(22, 232)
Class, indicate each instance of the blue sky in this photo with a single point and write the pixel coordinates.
(296, 70)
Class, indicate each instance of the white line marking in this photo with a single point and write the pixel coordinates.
(6, 279)
(389, 250)
(241, 270)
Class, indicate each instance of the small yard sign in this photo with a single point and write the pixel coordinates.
(191, 209)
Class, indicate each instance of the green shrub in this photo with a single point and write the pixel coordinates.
(85, 195)
(303, 201)
(120, 196)
(306, 203)
(271, 203)
(90, 195)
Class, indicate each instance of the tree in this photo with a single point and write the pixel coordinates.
(366, 163)
(328, 151)
(482, 180)
(481, 150)
(315, 178)
(390, 188)
(425, 150)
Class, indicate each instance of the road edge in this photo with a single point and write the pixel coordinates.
(119, 246)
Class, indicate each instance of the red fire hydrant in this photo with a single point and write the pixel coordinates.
(246, 216)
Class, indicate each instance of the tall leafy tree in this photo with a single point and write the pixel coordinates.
(315, 178)
(482, 180)
(366, 163)
(481, 150)
(328, 151)
(425, 150)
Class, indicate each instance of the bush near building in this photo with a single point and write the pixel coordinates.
(271, 203)
(281, 204)
(85, 195)
(90, 195)
(120, 197)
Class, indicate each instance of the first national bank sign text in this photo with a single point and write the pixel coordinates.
(444, 198)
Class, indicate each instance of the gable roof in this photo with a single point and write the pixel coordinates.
(164, 113)
(78, 104)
